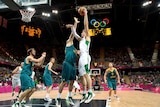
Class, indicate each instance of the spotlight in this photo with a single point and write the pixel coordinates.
(55, 11)
(30, 9)
(46, 14)
(158, 5)
(146, 3)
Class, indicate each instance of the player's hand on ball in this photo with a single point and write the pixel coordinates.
(82, 11)
(85, 10)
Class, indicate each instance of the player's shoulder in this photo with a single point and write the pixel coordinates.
(19, 67)
(114, 68)
(107, 69)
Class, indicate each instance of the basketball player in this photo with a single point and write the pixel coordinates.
(47, 77)
(16, 79)
(68, 68)
(27, 84)
(110, 76)
(84, 61)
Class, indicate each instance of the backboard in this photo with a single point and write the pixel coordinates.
(30, 2)
(17, 4)
(2, 5)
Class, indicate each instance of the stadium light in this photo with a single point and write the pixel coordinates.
(146, 3)
(30, 9)
(46, 14)
(158, 5)
(55, 11)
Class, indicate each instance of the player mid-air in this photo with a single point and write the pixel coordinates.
(68, 68)
(85, 59)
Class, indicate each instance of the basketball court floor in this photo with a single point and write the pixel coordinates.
(127, 99)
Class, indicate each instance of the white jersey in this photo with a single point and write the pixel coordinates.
(84, 46)
(17, 76)
(85, 58)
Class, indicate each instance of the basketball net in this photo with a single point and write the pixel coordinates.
(27, 15)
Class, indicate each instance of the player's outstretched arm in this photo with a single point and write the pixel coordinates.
(105, 74)
(86, 27)
(50, 68)
(118, 77)
(75, 27)
(38, 61)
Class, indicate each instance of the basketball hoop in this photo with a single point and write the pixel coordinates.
(27, 15)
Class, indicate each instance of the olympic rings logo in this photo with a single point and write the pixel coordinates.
(97, 23)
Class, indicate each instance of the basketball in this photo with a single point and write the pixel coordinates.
(81, 11)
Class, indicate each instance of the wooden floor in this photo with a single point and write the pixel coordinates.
(127, 98)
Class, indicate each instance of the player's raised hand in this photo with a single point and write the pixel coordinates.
(76, 20)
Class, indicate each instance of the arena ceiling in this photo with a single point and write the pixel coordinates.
(130, 20)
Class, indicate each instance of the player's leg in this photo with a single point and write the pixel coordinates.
(70, 88)
(48, 90)
(58, 99)
(89, 80)
(22, 96)
(33, 89)
(72, 78)
(29, 94)
(65, 77)
(75, 90)
(19, 89)
(84, 84)
(110, 86)
(48, 83)
(13, 86)
(90, 92)
(79, 89)
(115, 90)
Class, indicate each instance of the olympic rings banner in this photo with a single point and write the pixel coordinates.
(99, 23)
(100, 26)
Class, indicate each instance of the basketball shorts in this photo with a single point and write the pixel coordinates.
(84, 64)
(112, 84)
(68, 71)
(26, 82)
(16, 82)
(47, 78)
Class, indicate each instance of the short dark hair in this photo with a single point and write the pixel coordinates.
(52, 58)
(29, 50)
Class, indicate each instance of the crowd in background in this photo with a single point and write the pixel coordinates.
(15, 53)
(11, 52)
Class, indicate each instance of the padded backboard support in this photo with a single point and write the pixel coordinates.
(12, 5)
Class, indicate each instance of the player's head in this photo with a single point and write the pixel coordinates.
(31, 51)
(52, 59)
(110, 64)
(22, 63)
(83, 34)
